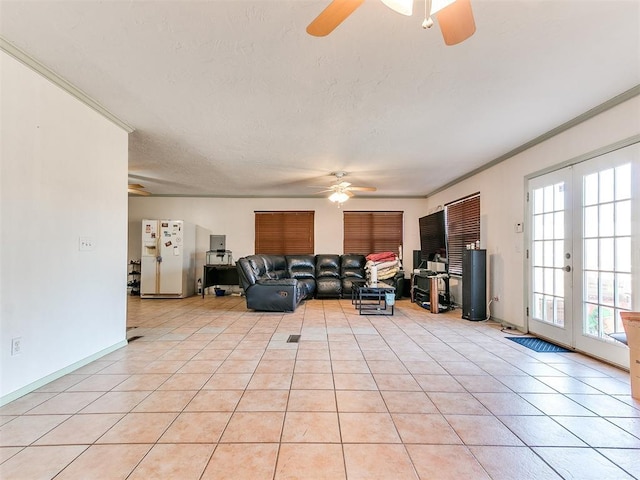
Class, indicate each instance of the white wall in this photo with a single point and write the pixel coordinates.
(502, 199)
(234, 218)
(63, 174)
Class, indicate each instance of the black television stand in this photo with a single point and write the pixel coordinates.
(422, 287)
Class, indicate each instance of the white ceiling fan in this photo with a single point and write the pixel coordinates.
(341, 191)
(455, 17)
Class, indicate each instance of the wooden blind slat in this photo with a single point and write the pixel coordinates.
(463, 227)
(284, 233)
(370, 232)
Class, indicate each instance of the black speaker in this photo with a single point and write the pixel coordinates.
(474, 285)
(417, 260)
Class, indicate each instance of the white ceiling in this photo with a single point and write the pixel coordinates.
(233, 98)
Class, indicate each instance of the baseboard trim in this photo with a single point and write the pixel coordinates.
(60, 373)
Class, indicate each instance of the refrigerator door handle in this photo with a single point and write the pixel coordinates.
(159, 258)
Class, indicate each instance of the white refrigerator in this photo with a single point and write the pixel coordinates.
(167, 268)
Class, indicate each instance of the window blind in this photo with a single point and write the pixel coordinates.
(284, 233)
(463, 227)
(370, 232)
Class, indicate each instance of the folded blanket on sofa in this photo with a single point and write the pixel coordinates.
(389, 270)
(384, 271)
(382, 265)
(381, 257)
(389, 273)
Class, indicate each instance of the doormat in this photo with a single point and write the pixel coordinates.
(538, 345)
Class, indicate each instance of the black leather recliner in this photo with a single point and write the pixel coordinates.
(266, 277)
(328, 282)
(278, 283)
(303, 269)
(352, 269)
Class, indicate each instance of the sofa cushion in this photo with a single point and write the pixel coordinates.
(328, 266)
(328, 283)
(258, 268)
(303, 269)
(275, 266)
(351, 268)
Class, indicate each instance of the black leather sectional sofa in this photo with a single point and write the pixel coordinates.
(278, 283)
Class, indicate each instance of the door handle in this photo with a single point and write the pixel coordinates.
(567, 268)
(159, 258)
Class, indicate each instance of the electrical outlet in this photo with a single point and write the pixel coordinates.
(16, 346)
(85, 244)
(496, 298)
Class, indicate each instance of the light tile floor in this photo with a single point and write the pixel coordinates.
(213, 391)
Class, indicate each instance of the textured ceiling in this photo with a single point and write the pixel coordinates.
(233, 98)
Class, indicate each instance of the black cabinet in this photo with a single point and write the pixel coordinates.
(474, 285)
(219, 275)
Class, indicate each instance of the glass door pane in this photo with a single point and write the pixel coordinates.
(549, 254)
(607, 229)
(605, 221)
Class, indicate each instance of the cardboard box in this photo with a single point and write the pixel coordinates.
(634, 372)
(631, 323)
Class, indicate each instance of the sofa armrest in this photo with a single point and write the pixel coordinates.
(397, 281)
(273, 295)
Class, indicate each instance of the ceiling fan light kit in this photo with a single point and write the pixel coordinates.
(338, 197)
(454, 16)
(342, 191)
(437, 5)
(403, 7)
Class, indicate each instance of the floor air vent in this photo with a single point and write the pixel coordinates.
(293, 339)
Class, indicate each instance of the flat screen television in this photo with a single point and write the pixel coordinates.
(433, 237)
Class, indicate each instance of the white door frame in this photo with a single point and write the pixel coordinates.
(582, 342)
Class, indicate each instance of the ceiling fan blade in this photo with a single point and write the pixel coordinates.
(456, 22)
(342, 185)
(332, 16)
(363, 189)
(135, 191)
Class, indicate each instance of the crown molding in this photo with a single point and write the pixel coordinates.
(603, 107)
(56, 79)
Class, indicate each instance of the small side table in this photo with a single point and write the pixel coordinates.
(355, 285)
(372, 299)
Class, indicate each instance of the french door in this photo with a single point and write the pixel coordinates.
(583, 221)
